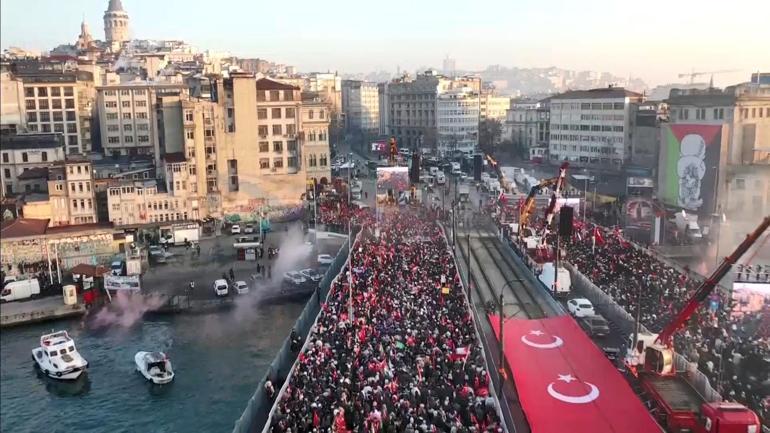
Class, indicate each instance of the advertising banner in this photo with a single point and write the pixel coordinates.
(750, 298)
(129, 283)
(689, 165)
(392, 184)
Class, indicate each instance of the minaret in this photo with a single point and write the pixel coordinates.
(84, 40)
(115, 25)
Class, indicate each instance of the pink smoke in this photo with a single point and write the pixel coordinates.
(126, 310)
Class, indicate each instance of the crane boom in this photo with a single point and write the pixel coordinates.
(705, 289)
(529, 203)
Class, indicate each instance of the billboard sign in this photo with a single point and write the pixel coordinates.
(750, 298)
(129, 283)
(689, 165)
(391, 183)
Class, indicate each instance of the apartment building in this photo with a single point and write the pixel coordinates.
(315, 137)
(361, 106)
(128, 117)
(383, 103)
(24, 152)
(136, 202)
(492, 106)
(71, 192)
(12, 118)
(457, 120)
(60, 102)
(527, 124)
(411, 106)
(593, 126)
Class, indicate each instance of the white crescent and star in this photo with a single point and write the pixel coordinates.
(557, 341)
(592, 395)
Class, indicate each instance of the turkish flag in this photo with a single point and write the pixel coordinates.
(598, 236)
(565, 383)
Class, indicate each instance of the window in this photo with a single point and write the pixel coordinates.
(290, 113)
(29, 92)
(43, 104)
(56, 104)
(125, 104)
(128, 127)
(31, 117)
(127, 116)
(143, 138)
(111, 116)
(44, 156)
(5, 157)
(263, 163)
(111, 104)
(190, 134)
(128, 139)
(59, 187)
(141, 115)
(700, 114)
(310, 114)
(262, 131)
(277, 130)
(58, 116)
(70, 116)
(275, 113)
(139, 92)
(30, 104)
(753, 112)
(113, 128)
(24, 157)
(42, 91)
(188, 115)
(72, 128)
(141, 103)
(278, 162)
(113, 140)
(264, 146)
(142, 127)
(684, 114)
(80, 186)
(69, 91)
(277, 146)
(7, 173)
(740, 183)
(312, 161)
(291, 162)
(125, 92)
(323, 162)
(275, 95)
(291, 129)
(321, 114)
(69, 103)
(262, 113)
(288, 95)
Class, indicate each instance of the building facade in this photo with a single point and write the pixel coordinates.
(314, 137)
(383, 98)
(116, 25)
(493, 107)
(593, 126)
(527, 125)
(24, 152)
(11, 103)
(71, 192)
(361, 106)
(457, 120)
(128, 117)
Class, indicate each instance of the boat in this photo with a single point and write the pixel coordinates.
(58, 358)
(154, 366)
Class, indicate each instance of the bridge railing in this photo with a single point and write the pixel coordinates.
(256, 415)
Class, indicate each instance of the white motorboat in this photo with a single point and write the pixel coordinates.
(58, 358)
(154, 366)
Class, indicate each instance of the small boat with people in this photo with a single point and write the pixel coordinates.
(58, 358)
(154, 366)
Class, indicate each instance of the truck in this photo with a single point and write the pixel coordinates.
(687, 224)
(440, 178)
(681, 409)
(21, 289)
(463, 192)
(564, 281)
(456, 169)
(186, 232)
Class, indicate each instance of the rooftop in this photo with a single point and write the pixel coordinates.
(34, 173)
(268, 84)
(601, 93)
(31, 141)
(23, 227)
(174, 157)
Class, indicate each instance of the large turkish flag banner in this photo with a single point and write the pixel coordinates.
(565, 383)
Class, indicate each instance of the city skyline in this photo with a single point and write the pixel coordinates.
(319, 38)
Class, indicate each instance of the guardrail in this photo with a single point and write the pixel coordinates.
(257, 413)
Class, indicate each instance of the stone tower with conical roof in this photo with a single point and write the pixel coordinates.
(115, 25)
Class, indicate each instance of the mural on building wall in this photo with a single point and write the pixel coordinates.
(259, 209)
(689, 165)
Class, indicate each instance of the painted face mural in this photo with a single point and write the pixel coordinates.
(691, 170)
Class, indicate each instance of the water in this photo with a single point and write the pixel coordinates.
(218, 359)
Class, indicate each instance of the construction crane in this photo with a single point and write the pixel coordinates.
(529, 203)
(694, 74)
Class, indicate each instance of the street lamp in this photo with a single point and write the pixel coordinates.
(501, 362)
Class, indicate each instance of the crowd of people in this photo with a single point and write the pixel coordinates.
(334, 212)
(408, 359)
(732, 351)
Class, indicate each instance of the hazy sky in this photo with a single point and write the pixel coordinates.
(651, 39)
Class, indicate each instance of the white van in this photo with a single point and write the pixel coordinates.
(22, 289)
(440, 178)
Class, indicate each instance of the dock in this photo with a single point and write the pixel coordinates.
(37, 310)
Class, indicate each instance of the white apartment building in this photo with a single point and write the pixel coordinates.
(25, 152)
(592, 126)
(361, 106)
(71, 192)
(457, 120)
(128, 117)
(278, 123)
(132, 202)
(315, 137)
(493, 107)
(11, 102)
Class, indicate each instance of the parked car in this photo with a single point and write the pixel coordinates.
(241, 287)
(22, 289)
(325, 259)
(595, 326)
(580, 307)
(155, 251)
(116, 268)
(294, 278)
(312, 275)
(249, 229)
(235, 229)
(220, 287)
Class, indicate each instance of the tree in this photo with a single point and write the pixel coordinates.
(490, 131)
